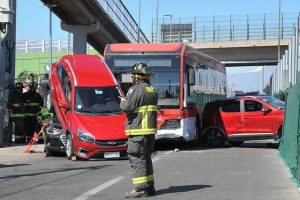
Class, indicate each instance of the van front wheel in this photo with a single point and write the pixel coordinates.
(70, 147)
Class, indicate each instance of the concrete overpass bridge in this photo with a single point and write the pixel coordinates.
(97, 22)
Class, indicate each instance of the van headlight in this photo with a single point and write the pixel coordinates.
(85, 137)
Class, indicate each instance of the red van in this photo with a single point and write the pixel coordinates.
(86, 101)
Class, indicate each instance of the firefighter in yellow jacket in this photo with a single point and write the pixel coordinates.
(140, 105)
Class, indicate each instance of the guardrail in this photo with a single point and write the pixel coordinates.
(30, 46)
(122, 17)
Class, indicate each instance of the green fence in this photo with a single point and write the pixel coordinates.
(290, 143)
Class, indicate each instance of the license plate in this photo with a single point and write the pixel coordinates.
(111, 154)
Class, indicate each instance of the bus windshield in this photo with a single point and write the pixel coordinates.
(166, 78)
(167, 87)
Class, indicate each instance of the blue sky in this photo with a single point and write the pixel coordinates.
(33, 17)
(33, 23)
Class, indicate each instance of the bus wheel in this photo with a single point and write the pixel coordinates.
(214, 137)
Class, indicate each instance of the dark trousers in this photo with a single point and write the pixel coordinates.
(31, 126)
(139, 152)
(17, 128)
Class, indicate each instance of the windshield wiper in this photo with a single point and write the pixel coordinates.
(112, 111)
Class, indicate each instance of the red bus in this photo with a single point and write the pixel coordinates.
(184, 78)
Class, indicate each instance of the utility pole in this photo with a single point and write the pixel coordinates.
(7, 60)
(157, 7)
(279, 31)
(139, 25)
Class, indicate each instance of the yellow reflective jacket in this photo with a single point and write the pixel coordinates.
(141, 109)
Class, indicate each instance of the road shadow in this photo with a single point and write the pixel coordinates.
(14, 176)
(181, 188)
(259, 145)
(164, 146)
(16, 165)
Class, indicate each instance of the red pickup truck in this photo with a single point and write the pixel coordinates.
(241, 119)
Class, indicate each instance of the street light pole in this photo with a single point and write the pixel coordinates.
(50, 40)
(157, 5)
(170, 15)
(279, 27)
(139, 31)
(50, 6)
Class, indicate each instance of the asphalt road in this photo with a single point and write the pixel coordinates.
(251, 172)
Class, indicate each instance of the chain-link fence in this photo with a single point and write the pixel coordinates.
(286, 85)
(290, 142)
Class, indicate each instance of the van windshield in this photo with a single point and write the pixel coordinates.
(97, 100)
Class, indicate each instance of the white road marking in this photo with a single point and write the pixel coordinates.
(103, 186)
(99, 188)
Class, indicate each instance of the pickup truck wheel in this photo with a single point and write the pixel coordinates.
(70, 147)
(214, 137)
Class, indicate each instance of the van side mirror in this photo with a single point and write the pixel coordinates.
(64, 104)
(191, 77)
(265, 109)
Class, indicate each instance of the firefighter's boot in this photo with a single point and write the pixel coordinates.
(150, 191)
(134, 193)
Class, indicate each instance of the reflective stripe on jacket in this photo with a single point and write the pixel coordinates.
(141, 109)
(15, 104)
(33, 103)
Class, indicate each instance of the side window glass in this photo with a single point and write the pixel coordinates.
(59, 72)
(65, 82)
(68, 90)
(252, 106)
(231, 106)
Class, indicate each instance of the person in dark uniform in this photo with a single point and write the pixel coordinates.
(33, 104)
(17, 115)
(140, 105)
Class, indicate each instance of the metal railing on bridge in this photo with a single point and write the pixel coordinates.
(123, 19)
(223, 28)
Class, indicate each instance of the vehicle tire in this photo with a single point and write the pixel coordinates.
(279, 133)
(236, 143)
(214, 137)
(70, 147)
(47, 152)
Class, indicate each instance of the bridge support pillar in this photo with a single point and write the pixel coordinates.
(80, 33)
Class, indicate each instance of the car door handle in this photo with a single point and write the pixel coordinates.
(247, 117)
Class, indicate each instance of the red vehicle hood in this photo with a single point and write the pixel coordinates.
(111, 127)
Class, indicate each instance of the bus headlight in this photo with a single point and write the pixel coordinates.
(171, 124)
(85, 137)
